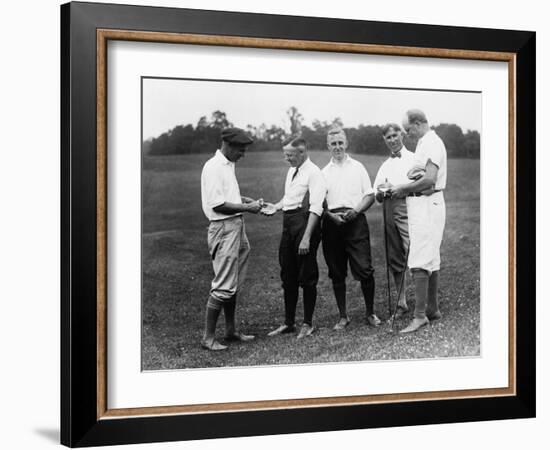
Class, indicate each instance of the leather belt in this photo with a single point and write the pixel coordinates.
(420, 194)
(293, 211)
(338, 210)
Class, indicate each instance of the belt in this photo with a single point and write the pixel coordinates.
(293, 211)
(237, 216)
(337, 210)
(420, 194)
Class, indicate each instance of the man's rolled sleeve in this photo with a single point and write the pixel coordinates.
(435, 153)
(317, 193)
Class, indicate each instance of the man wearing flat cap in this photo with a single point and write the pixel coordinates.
(302, 206)
(228, 245)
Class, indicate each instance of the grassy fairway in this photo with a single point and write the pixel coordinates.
(177, 273)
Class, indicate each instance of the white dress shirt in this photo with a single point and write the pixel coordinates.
(430, 146)
(347, 183)
(219, 185)
(394, 170)
(308, 178)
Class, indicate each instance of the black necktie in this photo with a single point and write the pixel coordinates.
(396, 154)
(294, 174)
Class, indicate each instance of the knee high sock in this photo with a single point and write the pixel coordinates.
(421, 279)
(340, 295)
(213, 308)
(367, 287)
(291, 299)
(229, 313)
(433, 284)
(310, 297)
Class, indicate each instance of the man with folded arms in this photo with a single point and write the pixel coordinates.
(227, 242)
(302, 206)
(392, 172)
(345, 232)
(426, 211)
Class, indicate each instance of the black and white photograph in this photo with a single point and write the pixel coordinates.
(286, 224)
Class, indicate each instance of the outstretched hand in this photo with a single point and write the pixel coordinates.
(268, 209)
(255, 206)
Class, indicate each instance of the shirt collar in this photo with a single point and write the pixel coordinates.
(346, 161)
(222, 157)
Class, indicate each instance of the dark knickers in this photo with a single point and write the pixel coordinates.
(298, 270)
(347, 242)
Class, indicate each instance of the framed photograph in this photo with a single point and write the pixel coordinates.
(278, 224)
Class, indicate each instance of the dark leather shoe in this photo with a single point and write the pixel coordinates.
(434, 316)
(239, 337)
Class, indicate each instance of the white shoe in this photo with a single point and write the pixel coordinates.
(305, 331)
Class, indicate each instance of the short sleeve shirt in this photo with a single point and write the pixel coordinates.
(307, 179)
(431, 147)
(219, 185)
(347, 183)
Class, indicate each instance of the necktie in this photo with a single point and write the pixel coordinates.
(295, 173)
(396, 154)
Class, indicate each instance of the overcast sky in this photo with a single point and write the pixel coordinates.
(167, 103)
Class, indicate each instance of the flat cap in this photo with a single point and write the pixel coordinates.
(236, 136)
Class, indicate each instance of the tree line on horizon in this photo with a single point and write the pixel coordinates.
(205, 137)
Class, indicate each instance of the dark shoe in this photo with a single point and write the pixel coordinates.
(283, 329)
(213, 345)
(415, 325)
(401, 311)
(342, 323)
(435, 316)
(373, 321)
(305, 331)
(239, 337)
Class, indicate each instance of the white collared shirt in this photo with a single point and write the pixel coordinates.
(347, 183)
(430, 146)
(394, 170)
(219, 185)
(308, 178)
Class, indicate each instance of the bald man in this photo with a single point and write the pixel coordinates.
(426, 211)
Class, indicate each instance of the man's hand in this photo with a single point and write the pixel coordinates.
(350, 215)
(268, 209)
(337, 218)
(303, 249)
(254, 207)
(398, 191)
(382, 191)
